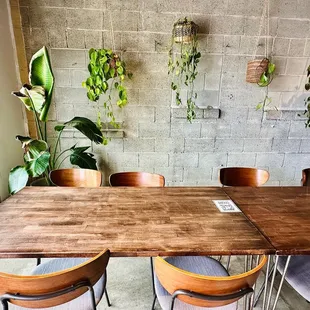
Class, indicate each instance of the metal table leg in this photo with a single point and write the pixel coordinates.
(272, 281)
(266, 283)
(281, 282)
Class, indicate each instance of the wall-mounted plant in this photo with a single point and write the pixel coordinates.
(307, 100)
(107, 73)
(183, 60)
(39, 158)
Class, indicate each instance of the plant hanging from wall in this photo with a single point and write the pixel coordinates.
(307, 100)
(107, 73)
(39, 157)
(183, 60)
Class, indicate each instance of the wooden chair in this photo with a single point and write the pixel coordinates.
(76, 177)
(183, 282)
(305, 181)
(137, 179)
(80, 284)
(240, 176)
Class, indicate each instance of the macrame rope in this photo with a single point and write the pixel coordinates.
(261, 25)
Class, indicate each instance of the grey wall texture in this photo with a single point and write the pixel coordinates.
(156, 136)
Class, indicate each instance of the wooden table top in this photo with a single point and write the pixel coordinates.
(67, 222)
(282, 214)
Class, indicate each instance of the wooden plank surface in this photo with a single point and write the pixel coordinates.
(282, 214)
(66, 222)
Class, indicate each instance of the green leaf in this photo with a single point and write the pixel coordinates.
(271, 68)
(307, 86)
(82, 159)
(59, 127)
(259, 106)
(106, 68)
(90, 52)
(17, 179)
(120, 70)
(87, 128)
(93, 56)
(36, 166)
(41, 75)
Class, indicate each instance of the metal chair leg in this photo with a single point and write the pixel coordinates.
(38, 261)
(153, 279)
(107, 297)
(228, 263)
(154, 301)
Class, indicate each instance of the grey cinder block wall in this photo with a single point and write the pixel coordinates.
(157, 137)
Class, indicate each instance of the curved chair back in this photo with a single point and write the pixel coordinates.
(76, 177)
(90, 271)
(305, 181)
(137, 179)
(240, 176)
(173, 279)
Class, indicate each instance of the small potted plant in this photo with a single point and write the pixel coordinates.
(107, 73)
(307, 100)
(183, 60)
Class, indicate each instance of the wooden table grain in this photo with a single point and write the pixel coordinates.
(282, 214)
(68, 222)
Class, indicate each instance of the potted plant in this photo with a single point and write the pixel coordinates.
(39, 157)
(307, 100)
(183, 60)
(107, 73)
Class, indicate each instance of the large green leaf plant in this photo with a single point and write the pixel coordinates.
(39, 159)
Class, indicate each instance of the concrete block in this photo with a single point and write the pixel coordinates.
(241, 159)
(280, 63)
(171, 174)
(154, 42)
(114, 145)
(307, 48)
(157, 22)
(281, 46)
(233, 80)
(149, 80)
(293, 100)
(185, 130)
(78, 76)
(197, 175)
(284, 174)
(286, 145)
(154, 61)
(93, 39)
(183, 160)
(305, 146)
(210, 63)
(297, 47)
(146, 114)
(219, 129)
(273, 114)
(231, 44)
(210, 160)
(37, 38)
(74, 4)
(211, 113)
(123, 159)
(253, 8)
(154, 97)
(283, 8)
(257, 145)
(123, 21)
(269, 160)
(45, 18)
(215, 44)
(95, 4)
(153, 159)
(233, 25)
(180, 113)
(154, 130)
(199, 145)
(285, 83)
(25, 19)
(57, 38)
(139, 145)
(228, 145)
(245, 129)
(62, 58)
(300, 161)
(130, 41)
(169, 145)
(70, 95)
(75, 38)
(296, 66)
(210, 7)
(275, 129)
(162, 115)
(132, 5)
(174, 6)
(84, 19)
(62, 77)
(293, 28)
(107, 41)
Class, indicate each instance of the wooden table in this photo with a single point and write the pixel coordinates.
(282, 214)
(67, 222)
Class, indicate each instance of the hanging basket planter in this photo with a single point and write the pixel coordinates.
(255, 69)
(184, 31)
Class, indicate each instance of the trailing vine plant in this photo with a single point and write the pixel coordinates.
(307, 100)
(107, 73)
(183, 60)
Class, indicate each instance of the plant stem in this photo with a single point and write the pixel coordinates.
(62, 161)
(55, 149)
(60, 156)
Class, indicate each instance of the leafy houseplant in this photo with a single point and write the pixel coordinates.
(39, 159)
(183, 60)
(307, 100)
(107, 72)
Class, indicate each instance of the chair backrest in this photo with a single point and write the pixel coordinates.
(305, 181)
(76, 177)
(137, 179)
(173, 279)
(91, 271)
(241, 176)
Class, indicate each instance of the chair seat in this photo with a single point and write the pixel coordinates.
(298, 273)
(83, 302)
(196, 264)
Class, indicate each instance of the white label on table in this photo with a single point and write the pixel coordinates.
(226, 206)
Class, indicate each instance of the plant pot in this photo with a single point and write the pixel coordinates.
(184, 31)
(255, 69)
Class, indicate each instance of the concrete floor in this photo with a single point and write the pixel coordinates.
(129, 283)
